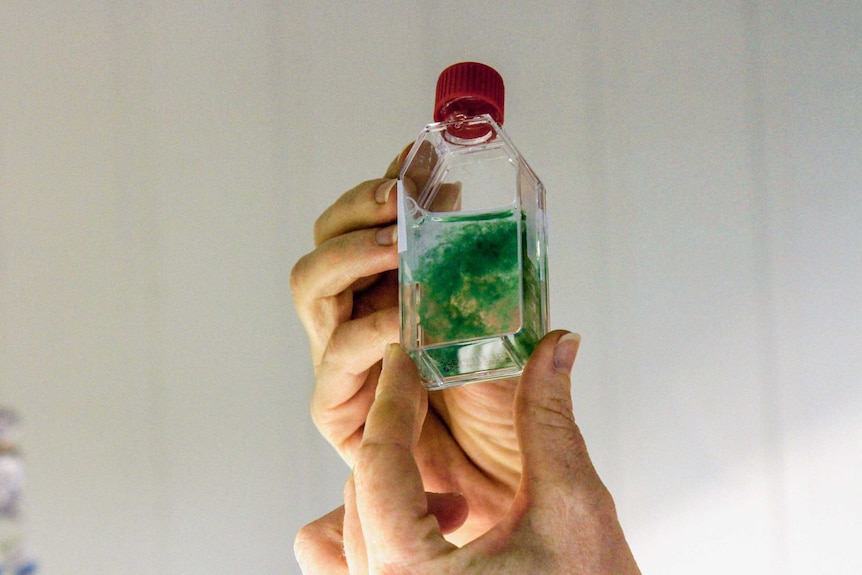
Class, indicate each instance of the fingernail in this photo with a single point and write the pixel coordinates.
(566, 351)
(381, 194)
(387, 236)
(388, 350)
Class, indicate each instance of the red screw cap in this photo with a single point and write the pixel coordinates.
(469, 89)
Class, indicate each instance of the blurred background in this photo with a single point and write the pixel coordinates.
(161, 167)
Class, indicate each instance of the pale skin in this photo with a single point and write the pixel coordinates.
(345, 292)
(562, 519)
(461, 456)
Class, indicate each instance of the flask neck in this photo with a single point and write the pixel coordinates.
(462, 109)
(468, 131)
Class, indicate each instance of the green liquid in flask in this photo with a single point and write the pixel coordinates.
(475, 299)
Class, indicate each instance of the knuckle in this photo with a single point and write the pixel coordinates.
(553, 412)
(317, 413)
(297, 277)
(320, 224)
(338, 351)
(378, 327)
(371, 456)
(305, 544)
(305, 538)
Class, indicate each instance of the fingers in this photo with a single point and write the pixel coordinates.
(390, 497)
(341, 398)
(370, 204)
(450, 509)
(448, 198)
(562, 500)
(354, 541)
(318, 546)
(354, 347)
(355, 242)
(339, 262)
(395, 166)
(422, 162)
(321, 280)
(553, 451)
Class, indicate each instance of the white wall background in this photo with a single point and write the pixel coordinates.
(161, 164)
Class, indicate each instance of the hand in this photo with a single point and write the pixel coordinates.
(346, 294)
(562, 521)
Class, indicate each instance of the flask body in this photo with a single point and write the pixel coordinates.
(472, 243)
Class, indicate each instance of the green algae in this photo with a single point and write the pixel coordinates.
(470, 282)
(476, 295)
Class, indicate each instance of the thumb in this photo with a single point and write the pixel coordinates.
(561, 499)
(554, 454)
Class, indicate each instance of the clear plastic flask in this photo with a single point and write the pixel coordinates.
(472, 239)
